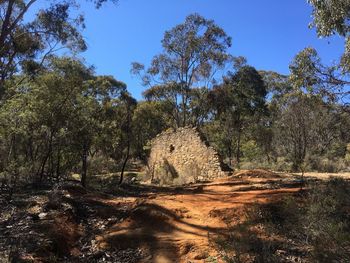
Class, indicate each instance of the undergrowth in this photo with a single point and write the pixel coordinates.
(311, 226)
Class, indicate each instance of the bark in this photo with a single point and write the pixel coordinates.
(46, 158)
(128, 133)
(7, 26)
(124, 165)
(184, 109)
(230, 155)
(84, 165)
(58, 164)
(43, 168)
(238, 151)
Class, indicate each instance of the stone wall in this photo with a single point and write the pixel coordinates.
(181, 156)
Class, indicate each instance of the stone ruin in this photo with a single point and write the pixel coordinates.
(182, 156)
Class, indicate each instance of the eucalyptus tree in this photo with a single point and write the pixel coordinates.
(149, 119)
(116, 137)
(330, 17)
(307, 127)
(192, 53)
(239, 103)
(37, 111)
(277, 87)
(27, 40)
(51, 123)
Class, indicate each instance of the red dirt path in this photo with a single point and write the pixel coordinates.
(177, 224)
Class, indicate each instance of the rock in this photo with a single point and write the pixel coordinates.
(42, 216)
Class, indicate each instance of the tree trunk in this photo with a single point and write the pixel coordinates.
(238, 151)
(84, 165)
(184, 111)
(42, 168)
(46, 158)
(124, 165)
(302, 169)
(58, 164)
(128, 134)
(230, 154)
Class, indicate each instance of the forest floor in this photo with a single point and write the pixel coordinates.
(140, 223)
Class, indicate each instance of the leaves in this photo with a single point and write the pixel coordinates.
(192, 53)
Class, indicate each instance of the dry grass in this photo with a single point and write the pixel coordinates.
(317, 175)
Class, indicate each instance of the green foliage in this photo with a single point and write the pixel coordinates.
(307, 126)
(330, 17)
(237, 104)
(52, 122)
(149, 119)
(251, 150)
(26, 44)
(57, 117)
(193, 51)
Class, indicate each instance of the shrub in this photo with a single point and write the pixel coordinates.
(243, 244)
(282, 164)
(328, 165)
(317, 223)
(99, 164)
(251, 151)
(327, 221)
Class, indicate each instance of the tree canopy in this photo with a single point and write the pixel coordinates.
(192, 53)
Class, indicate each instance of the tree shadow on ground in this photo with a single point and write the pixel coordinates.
(143, 190)
(151, 227)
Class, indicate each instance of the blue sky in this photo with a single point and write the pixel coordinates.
(268, 32)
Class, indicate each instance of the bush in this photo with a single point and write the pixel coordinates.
(254, 165)
(99, 164)
(251, 151)
(244, 245)
(327, 221)
(282, 164)
(316, 223)
(321, 164)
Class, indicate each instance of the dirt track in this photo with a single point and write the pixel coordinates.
(137, 223)
(178, 224)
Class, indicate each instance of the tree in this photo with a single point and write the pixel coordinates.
(193, 52)
(330, 17)
(25, 45)
(307, 128)
(116, 136)
(278, 86)
(52, 121)
(239, 102)
(149, 119)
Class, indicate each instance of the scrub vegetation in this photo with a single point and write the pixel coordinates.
(74, 146)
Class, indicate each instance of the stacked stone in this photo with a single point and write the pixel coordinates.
(179, 157)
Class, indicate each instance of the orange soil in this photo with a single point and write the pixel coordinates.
(177, 225)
